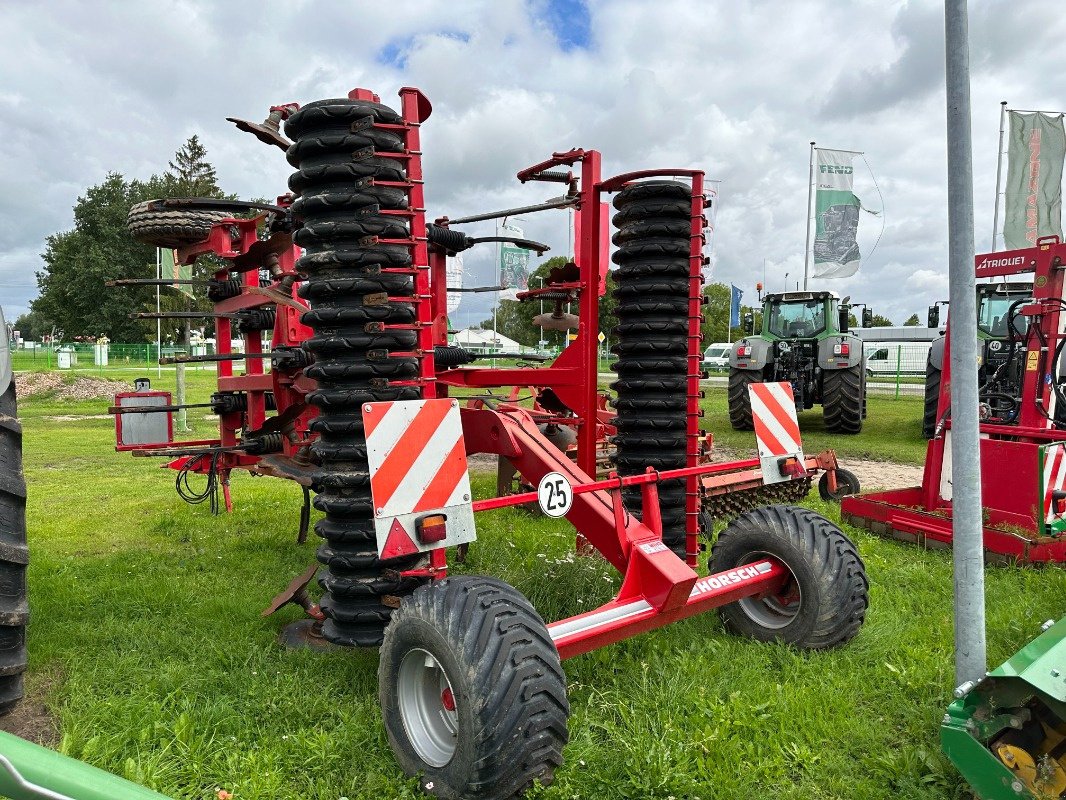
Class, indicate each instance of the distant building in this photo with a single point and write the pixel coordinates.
(480, 340)
(898, 333)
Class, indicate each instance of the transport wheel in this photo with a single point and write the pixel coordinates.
(739, 399)
(14, 612)
(472, 690)
(167, 228)
(843, 392)
(847, 483)
(932, 400)
(824, 601)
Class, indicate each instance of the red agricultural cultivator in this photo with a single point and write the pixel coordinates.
(1023, 423)
(367, 405)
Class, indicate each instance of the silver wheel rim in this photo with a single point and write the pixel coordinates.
(427, 707)
(772, 612)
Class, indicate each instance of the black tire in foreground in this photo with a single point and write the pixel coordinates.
(14, 611)
(472, 690)
(843, 399)
(847, 483)
(932, 400)
(824, 602)
(170, 228)
(740, 400)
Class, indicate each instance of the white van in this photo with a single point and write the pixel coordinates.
(716, 356)
(886, 358)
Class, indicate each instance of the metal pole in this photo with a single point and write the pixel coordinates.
(499, 274)
(810, 195)
(999, 170)
(159, 320)
(970, 657)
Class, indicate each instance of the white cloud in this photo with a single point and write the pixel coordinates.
(736, 88)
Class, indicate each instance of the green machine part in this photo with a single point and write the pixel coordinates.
(31, 772)
(1007, 733)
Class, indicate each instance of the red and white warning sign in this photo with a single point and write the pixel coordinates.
(773, 410)
(1052, 482)
(418, 473)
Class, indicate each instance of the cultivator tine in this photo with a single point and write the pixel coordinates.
(185, 359)
(184, 315)
(154, 409)
(178, 452)
(732, 504)
(159, 282)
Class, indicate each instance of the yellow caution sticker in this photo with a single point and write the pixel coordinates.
(1030, 362)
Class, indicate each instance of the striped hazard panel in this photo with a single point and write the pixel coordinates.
(417, 469)
(777, 433)
(1052, 481)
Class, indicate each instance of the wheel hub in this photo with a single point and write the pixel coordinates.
(427, 707)
(774, 610)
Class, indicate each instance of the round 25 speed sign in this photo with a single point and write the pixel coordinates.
(554, 494)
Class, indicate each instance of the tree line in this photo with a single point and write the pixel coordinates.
(78, 262)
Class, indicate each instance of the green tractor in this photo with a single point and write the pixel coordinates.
(1000, 374)
(805, 340)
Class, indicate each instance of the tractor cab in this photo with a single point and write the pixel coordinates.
(994, 301)
(798, 315)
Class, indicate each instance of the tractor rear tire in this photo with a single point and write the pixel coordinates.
(740, 400)
(824, 602)
(472, 690)
(932, 400)
(170, 228)
(14, 611)
(847, 483)
(843, 398)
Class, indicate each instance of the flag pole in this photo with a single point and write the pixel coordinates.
(999, 170)
(807, 251)
(158, 319)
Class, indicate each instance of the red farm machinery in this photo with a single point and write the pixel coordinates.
(366, 405)
(1023, 427)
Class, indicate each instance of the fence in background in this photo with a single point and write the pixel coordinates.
(82, 356)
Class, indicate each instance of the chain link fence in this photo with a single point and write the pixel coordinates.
(89, 357)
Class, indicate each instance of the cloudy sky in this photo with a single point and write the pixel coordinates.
(735, 87)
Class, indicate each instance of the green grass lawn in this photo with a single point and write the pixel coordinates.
(147, 644)
(892, 430)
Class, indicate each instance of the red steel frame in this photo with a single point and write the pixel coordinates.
(657, 587)
(1009, 453)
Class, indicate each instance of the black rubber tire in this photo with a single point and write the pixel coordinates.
(654, 191)
(170, 228)
(505, 677)
(826, 567)
(312, 148)
(639, 250)
(932, 400)
(644, 287)
(661, 268)
(652, 227)
(335, 116)
(739, 399)
(843, 399)
(14, 555)
(847, 483)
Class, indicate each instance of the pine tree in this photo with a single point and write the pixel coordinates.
(190, 174)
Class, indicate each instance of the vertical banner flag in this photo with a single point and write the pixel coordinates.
(1033, 202)
(514, 264)
(176, 272)
(453, 269)
(734, 306)
(836, 214)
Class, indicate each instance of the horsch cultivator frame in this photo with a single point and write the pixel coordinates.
(471, 685)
